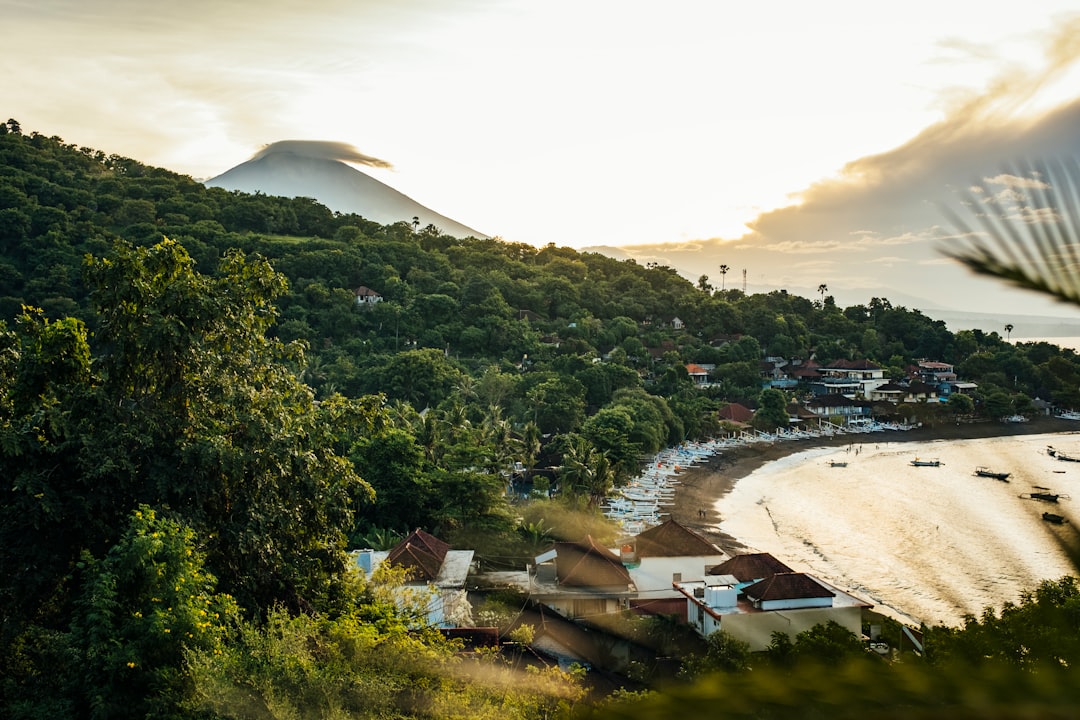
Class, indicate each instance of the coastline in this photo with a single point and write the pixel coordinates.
(702, 485)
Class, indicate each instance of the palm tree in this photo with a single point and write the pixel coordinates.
(723, 276)
(1028, 239)
(1008, 332)
(823, 288)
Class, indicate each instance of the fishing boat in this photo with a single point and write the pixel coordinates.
(837, 463)
(1052, 518)
(1054, 452)
(1045, 496)
(982, 471)
(926, 463)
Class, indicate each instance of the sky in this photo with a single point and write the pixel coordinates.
(804, 143)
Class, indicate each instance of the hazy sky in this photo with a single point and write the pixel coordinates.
(585, 123)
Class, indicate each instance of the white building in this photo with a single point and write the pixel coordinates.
(751, 608)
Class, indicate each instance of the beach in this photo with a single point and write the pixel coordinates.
(885, 528)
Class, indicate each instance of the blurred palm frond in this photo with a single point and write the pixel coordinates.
(1023, 226)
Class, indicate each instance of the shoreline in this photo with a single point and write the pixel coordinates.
(702, 485)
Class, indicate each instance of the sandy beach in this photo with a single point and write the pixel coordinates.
(702, 485)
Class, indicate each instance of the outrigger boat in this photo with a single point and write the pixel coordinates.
(1054, 452)
(987, 472)
(1052, 518)
(1045, 496)
(837, 463)
(926, 463)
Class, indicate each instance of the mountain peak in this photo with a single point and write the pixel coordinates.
(318, 169)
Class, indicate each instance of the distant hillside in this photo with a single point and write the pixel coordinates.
(293, 172)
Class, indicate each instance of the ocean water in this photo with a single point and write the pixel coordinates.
(923, 544)
(1071, 343)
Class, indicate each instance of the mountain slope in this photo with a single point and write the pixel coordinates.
(338, 186)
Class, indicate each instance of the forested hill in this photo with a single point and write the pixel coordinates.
(198, 420)
(485, 303)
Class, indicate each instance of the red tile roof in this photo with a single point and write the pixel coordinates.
(787, 586)
(420, 552)
(672, 539)
(736, 413)
(751, 566)
(587, 564)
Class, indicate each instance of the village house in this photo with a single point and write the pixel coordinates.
(365, 296)
(838, 406)
(699, 375)
(942, 377)
(585, 579)
(579, 579)
(654, 556)
(736, 413)
(751, 597)
(911, 392)
(436, 577)
(853, 378)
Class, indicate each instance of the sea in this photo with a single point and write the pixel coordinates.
(1065, 342)
(922, 544)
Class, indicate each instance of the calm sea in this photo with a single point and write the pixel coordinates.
(1073, 343)
(924, 544)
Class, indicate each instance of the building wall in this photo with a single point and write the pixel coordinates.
(756, 629)
(655, 573)
(579, 607)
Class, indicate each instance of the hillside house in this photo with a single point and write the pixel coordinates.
(699, 375)
(657, 555)
(853, 378)
(583, 579)
(437, 577)
(829, 406)
(579, 579)
(752, 608)
(365, 296)
(942, 377)
(736, 413)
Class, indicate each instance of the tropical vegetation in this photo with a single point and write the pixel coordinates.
(198, 421)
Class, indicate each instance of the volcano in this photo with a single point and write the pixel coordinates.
(296, 168)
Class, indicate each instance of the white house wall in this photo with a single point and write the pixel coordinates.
(756, 628)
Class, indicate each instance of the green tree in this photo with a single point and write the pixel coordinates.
(392, 462)
(140, 610)
(772, 410)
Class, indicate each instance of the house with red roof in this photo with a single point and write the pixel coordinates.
(579, 579)
(698, 374)
(750, 597)
(661, 554)
(436, 577)
(365, 296)
(585, 579)
(736, 413)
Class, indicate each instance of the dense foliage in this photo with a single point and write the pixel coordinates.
(197, 420)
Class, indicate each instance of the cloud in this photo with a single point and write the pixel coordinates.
(321, 150)
(1014, 181)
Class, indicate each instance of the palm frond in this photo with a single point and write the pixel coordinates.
(1027, 232)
